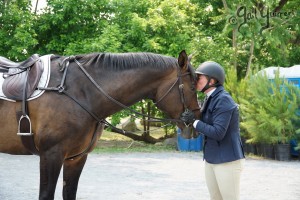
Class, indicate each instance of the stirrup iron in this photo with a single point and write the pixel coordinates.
(24, 119)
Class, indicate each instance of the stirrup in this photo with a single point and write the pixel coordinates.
(26, 133)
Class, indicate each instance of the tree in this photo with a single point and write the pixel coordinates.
(17, 33)
(66, 26)
(265, 33)
(270, 110)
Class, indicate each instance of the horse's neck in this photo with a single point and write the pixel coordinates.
(134, 87)
(129, 88)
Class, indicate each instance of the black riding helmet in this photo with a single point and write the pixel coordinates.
(214, 70)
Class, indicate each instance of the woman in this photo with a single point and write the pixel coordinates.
(219, 123)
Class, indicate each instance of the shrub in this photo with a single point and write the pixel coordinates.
(270, 110)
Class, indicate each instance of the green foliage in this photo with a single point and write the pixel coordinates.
(171, 26)
(109, 41)
(270, 110)
(67, 23)
(274, 32)
(163, 26)
(237, 88)
(208, 48)
(17, 34)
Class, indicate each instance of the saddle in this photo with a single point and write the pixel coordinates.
(21, 79)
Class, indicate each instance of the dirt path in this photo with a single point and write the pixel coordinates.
(150, 176)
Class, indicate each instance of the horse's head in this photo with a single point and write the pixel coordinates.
(177, 93)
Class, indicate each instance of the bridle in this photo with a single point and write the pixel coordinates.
(181, 91)
(180, 87)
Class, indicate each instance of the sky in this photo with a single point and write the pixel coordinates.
(41, 4)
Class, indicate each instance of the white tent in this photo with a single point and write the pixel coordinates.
(284, 72)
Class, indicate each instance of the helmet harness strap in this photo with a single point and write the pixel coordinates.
(207, 86)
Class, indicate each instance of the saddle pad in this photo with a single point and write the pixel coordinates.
(44, 81)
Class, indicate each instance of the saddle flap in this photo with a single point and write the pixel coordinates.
(15, 79)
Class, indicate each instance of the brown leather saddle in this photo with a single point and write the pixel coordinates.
(21, 79)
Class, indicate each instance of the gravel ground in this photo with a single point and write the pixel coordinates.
(150, 176)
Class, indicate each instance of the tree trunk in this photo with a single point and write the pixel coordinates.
(144, 138)
(144, 119)
(225, 4)
(250, 57)
(234, 45)
(147, 133)
(36, 5)
(146, 123)
(280, 5)
(234, 39)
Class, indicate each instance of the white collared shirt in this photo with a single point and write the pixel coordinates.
(210, 92)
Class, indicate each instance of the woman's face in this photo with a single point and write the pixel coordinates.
(202, 80)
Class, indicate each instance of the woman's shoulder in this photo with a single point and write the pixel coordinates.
(224, 99)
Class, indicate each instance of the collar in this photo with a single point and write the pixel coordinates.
(210, 92)
(217, 91)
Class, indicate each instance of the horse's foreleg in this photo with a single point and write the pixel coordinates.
(72, 171)
(50, 166)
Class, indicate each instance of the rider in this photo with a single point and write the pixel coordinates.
(223, 151)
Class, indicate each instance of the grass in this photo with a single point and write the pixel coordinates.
(111, 142)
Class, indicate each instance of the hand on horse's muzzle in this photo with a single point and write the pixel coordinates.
(188, 117)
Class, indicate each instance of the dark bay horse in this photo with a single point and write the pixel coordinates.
(95, 86)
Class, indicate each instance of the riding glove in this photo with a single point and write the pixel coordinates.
(187, 117)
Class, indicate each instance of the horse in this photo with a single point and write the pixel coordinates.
(68, 119)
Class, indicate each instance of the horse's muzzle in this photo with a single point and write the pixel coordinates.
(189, 132)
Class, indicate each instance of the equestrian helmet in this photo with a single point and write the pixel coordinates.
(213, 70)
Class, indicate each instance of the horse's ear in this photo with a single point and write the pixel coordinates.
(183, 60)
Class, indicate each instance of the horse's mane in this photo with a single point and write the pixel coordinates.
(123, 61)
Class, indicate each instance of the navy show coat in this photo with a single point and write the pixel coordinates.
(220, 125)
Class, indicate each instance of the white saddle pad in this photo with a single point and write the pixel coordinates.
(44, 81)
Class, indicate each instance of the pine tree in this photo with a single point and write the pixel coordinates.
(270, 110)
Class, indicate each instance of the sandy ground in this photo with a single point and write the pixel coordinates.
(150, 176)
